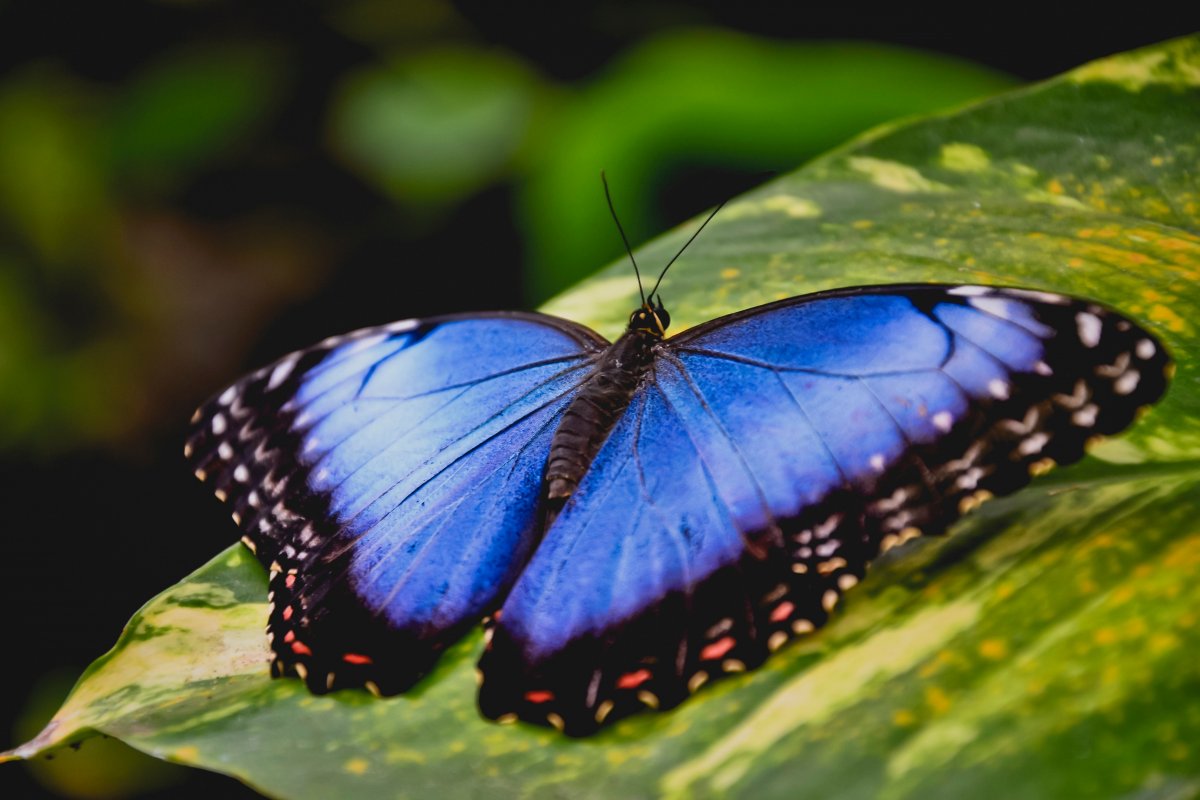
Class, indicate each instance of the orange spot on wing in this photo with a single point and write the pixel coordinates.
(632, 680)
(783, 611)
(717, 649)
(539, 696)
(301, 649)
(356, 658)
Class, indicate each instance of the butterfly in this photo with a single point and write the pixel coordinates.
(633, 519)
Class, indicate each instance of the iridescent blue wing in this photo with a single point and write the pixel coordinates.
(770, 455)
(390, 480)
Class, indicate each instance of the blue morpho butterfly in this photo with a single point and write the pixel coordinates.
(642, 516)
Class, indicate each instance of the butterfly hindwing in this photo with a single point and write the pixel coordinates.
(770, 455)
(390, 480)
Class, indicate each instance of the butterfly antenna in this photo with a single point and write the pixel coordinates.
(685, 245)
(624, 238)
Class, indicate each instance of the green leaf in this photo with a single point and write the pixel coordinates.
(1046, 648)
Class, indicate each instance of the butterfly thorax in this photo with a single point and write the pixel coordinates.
(590, 417)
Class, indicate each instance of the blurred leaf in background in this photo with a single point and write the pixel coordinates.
(436, 126)
(709, 101)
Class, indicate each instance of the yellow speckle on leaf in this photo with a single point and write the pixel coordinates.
(729, 273)
(1163, 314)
(1157, 161)
(937, 700)
(357, 766)
(862, 224)
(1105, 636)
(964, 157)
(993, 649)
(1055, 186)
(904, 718)
(186, 753)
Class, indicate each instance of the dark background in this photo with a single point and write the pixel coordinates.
(189, 189)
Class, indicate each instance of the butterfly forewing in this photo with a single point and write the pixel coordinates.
(770, 455)
(390, 480)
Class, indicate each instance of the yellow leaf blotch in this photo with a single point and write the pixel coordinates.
(187, 753)
(1170, 64)
(1163, 314)
(894, 176)
(993, 649)
(795, 207)
(357, 766)
(964, 157)
(937, 700)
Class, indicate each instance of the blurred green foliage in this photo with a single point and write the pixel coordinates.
(120, 304)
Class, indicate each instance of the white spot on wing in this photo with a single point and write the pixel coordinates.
(218, 424)
(877, 462)
(1033, 444)
(402, 325)
(225, 451)
(1145, 349)
(996, 306)
(227, 396)
(1089, 328)
(1127, 382)
(281, 371)
(998, 389)
(969, 291)
(1086, 416)
(1042, 297)
(943, 421)
(241, 474)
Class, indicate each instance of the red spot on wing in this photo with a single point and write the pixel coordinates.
(289, 581)
(301, 649)
(289, 637)
(539, 696)
(717, 649)
(287, 613)
(356, 658)
(783, 611)
(632, 680)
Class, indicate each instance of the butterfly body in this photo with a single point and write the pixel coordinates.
(638, 518)
(601, 400)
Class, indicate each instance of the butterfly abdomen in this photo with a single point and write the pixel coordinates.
(591, 416)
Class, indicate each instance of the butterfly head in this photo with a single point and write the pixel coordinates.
(651, 317)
